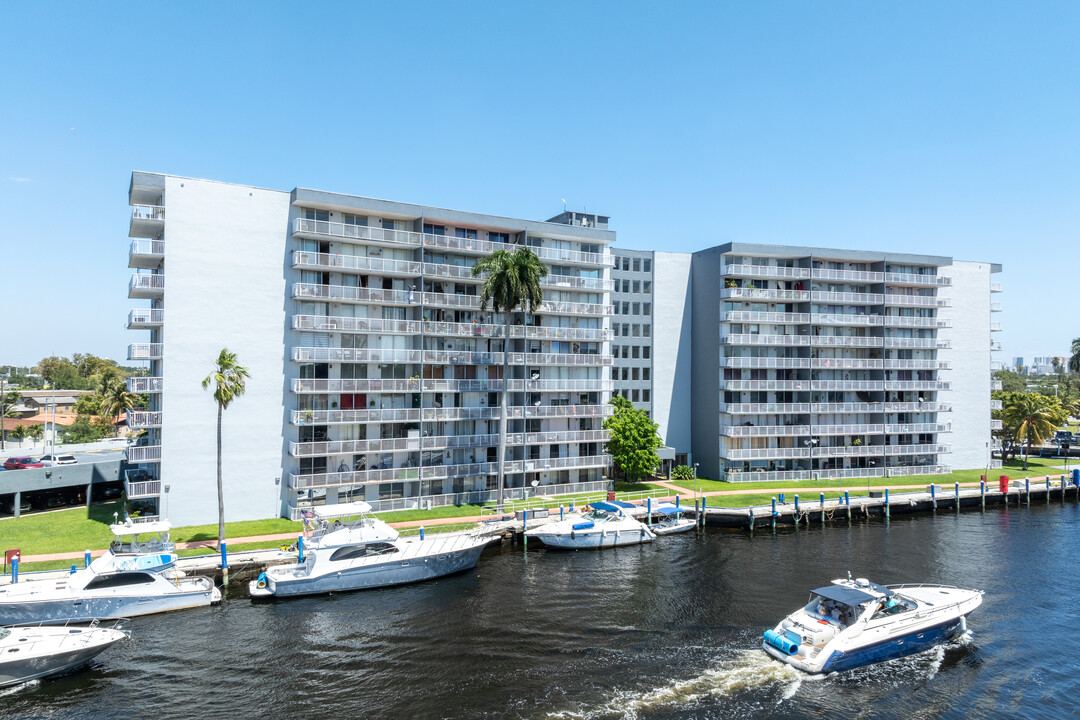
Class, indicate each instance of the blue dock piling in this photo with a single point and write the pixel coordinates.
(796, 511)
(1027, 490)
(421, 532)
(73, 570)
(14, 569)
(560, 512)
(1047, 489)
(702, 511)
(886, 503)
(86, 558)
(933, 495)
(773, 514)
(982, 494)
(300, 549)
(648, 511)
(956, 491)
(676, 502)
(224, 559)
(781, 498)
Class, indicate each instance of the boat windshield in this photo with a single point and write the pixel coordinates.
(892, 605)
(600, 515)
(824, 608)
(4, 632)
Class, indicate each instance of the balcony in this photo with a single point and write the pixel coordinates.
(573, 257)
(472, 302)
(778, 318)
(140, 385)
(764, 362)
(145, 318)
(764, 294)
(763, 453)
(867, 385)
(305, 386)
(905, 470)
(846, 341)
(743, 431)
(352, 417)
(917, 343)
(355, 263)
(995, 385)
(573, 282)
(995, 424)
(859, 429)
(908, 321)
(995, 404)
(835, 451)
(142, 489)
(743, 385)
(570, 359)
(910, 428)
(995, 307)
(935, 449)
(898, 407)
(848, 298)
(846, 364)
(145, 454)
(849, 407)
(919, 279)
(766, 271)
(916, 300)
(859, 276)
(146, 254)
(845, 319)
(735, 475)
(995, 326)
(146, 287)
(917, 365)
(773, 340)
(145, 351)
(995, 345)
(144, 419)
(322, 229)
(349, 447)
(147, 221)
(764, 408)
(531, 332)
(917, 385)
(348, 294)
(333, 323)
(359, 355)
(995, 287)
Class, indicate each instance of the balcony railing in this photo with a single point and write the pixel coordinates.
(350, 417)
(355, 263)
(845, 319)
(850, 407)
(848, 298)
(917, 279)
(344, 293)
(859, 276)
(917, 385)
(145, 253)
(995, 345)
(996, 385)
(995, 404)
(857, 429)
(361, 233)
(764, 362)
(917, 365)
(573, 282)
(995, 326)
(764, 430)
(764, 317)
(995, 307)
(567, 436)
(743, 385)
(359, 355)
(145, 318)
(831, 451)
(770, 408)
(764, 294)
(916, 300)
(935, 449)
(782, 340)
(147, 212)
(770, 271)
(996, 287)
(532, 332)
(143, 285)
(333, 323)
(995, 424)
(139, 385)
(145, 351)
(918, 343)
(143, 489)
(144, 419)
(915, 322)
(472, 302)
(870, 385)
(763, 453)
(373, 385)
(895, 407)
(910, 428)
(846, 341)
(147, 453)
(832, 363)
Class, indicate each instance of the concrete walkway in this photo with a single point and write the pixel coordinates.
(687, 495)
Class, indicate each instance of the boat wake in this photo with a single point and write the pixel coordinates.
(4, 692)
(745, 671)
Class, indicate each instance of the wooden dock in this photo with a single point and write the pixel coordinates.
(808, 511)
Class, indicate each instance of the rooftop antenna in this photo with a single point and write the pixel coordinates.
(564, 205)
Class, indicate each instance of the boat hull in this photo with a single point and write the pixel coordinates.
(59, 610)
(672, 528)
(367, 577)
(593, 539)
(15, 670)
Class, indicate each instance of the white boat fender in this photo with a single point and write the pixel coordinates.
(963, 624)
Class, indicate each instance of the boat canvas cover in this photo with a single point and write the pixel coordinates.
(843, 594)
(326, 512)
(620, 503)
(608, 506)
(668, 510)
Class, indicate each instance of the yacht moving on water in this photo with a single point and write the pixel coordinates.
(135, 577)
(28, 653)
(856, 622)
(351, 549)
(607, 524)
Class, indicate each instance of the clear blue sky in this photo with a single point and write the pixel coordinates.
(946, 128)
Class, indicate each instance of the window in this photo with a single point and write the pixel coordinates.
(646, 309)
(637, 286)
(465, 233)
(646, 265)
(625, 308)
(626, 286)
(646, 330)
(625, 350)
(645, 396)
(626, 373)
(634, 353)
(626, 264)
(351, 552)
(615, 329)
(350, 219)
(499, 237)
(637, 264)
(310, 214)
(645, 352)
(434, 229)
(635, 395)
(616, 306)
(635, 374)
(635, 330)
(102, 582)
(637, 309)
(647, 287)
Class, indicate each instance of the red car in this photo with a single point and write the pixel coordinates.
(21, 463)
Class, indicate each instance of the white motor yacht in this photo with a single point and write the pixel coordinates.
(29, 653)
(137, 576)
(604, 525)
(351, 549)
(852, 623)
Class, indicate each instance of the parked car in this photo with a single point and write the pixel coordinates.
(21, 463)
(1063, 436)
(50, 460)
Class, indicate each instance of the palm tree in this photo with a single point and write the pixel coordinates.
(115, 398)
(1074, 359)
(513, 281)
(230, 381)
(1034, 418)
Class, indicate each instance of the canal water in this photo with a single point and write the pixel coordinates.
(668, 630)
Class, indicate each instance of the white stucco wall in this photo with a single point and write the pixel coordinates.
(970, 375)
(671, 348)
(226, 251)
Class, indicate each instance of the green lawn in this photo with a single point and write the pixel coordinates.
(192, 552)
(1036, 467)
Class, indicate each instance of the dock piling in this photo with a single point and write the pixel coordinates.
(14, 569)
(956, 491)
(702, 511)
(86, 558)
(774, 514)
(300, 549)
(1047, 489)
(1027, 490)
(648, 516)
(982, 494)
(73, 570)
(751, 509)
(225, 560)
(933, 496)
(847, 503)
(886, 503)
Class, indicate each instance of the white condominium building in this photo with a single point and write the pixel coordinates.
(375, 373)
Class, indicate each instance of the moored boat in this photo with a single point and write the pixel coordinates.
(30, 653)
(137, 576)
(852, 623)
(671, 520)
(604, 525)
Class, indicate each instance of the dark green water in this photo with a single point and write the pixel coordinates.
(670, 630)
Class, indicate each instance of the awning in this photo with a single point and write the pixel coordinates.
(847, 595)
